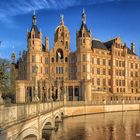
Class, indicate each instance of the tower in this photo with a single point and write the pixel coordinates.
(61, 50)
(34, 53)
(83, 44)
(84, 51)
(34, 37)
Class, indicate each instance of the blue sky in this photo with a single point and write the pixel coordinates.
(106, 19)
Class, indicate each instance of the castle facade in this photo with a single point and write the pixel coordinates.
(96, 71)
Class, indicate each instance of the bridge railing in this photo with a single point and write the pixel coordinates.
(12, 114)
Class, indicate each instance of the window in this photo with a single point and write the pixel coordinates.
(66, 45)
(84, 68)
(119, 63)
(92, 70)
(98, 70)
(109, 82)
(84, 57)
(98, 61)
(59, 70)
(136, 83)
(109, 62)
(104, 72)
(119, 82)
(83, 34)
(46, 60)
(119, 72)
(136, 74)
(52, 59)
(109, 72)
(131, 73)
(83, 40)
(66, 59)
(92, 60)
(46, 70)
(104, 62)
(98, 82)
(131, 65)
(131, 83)
(104, 82)
(123, 82)
(136, 66)
(33, 58)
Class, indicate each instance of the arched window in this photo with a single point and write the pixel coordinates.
(59, 54)
(52, 59)
(66, 59)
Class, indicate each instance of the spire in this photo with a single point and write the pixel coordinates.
(83, 17)
(34, 18)
(13, 56)
(62, 19)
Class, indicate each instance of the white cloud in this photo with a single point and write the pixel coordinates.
(16, 7)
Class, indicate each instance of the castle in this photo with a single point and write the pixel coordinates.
(96, 71)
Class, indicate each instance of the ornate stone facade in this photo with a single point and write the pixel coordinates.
(95, 71)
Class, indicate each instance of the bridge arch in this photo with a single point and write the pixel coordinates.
(48, 121)
(27, 132)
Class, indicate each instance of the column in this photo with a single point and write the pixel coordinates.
(73, 93)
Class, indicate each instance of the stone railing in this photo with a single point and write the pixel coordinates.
(15, 113)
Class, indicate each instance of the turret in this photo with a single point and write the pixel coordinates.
(84, 44)
(13, 57)
(34, 37)
(133, 47)
(47, 43)
(83, 36)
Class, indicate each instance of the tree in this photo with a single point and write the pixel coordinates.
(3, 77)
(5, 81)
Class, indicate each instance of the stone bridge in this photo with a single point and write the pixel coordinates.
(19, 121)
(22, 120)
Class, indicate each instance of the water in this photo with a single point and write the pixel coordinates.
(109, 126)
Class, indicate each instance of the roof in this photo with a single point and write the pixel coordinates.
(130, 52)
(84, 26)
(43, 48)
(107, 45)
(34, 27)
(98, 44)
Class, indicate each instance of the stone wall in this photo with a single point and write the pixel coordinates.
(81, 110)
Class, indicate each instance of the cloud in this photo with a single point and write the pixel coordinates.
(16, 7)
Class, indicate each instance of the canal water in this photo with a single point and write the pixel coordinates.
(107, 126)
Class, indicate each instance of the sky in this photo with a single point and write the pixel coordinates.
(106, 19)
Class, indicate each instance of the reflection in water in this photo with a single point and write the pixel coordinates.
(109, 126)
